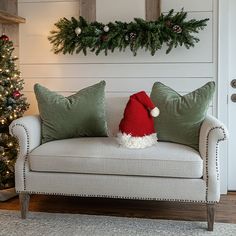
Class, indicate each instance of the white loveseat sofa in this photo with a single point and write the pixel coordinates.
(99, 167)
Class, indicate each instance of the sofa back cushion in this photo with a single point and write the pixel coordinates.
(115, 106)
(79, 115)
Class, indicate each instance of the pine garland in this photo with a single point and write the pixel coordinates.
(172, 30)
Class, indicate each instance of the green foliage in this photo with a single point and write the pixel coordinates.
(8, 153)
(12, 105)
(172, 30)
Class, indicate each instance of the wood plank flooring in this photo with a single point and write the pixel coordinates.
(225, 211)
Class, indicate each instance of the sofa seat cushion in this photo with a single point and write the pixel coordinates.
(105, 156)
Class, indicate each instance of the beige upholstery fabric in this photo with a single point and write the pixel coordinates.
(116, 186)
(211, 133)
(27, 130)
(115, 107)
(105, 156)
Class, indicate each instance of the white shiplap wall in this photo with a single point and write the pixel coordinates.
(184, 70)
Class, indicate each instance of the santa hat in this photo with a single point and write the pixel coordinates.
(136, 129)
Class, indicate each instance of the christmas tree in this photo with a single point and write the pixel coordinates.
(12, 105)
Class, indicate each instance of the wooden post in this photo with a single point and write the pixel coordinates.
(87, 9)
(24, 204)
(153, 9)
(9, 6)
(11, 30)
(210, 216)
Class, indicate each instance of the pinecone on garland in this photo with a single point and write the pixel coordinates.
(177, 29)
(132, 36)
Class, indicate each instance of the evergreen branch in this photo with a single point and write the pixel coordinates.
(171, 29)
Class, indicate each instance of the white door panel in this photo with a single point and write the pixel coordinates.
(232, 105)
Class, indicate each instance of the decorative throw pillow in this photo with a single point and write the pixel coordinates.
(79, 115)
(181, 117)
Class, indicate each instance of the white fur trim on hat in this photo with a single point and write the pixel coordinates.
(155, 112)
(126, 140)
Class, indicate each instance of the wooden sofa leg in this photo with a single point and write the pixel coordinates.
(24, 204)
(210, 216)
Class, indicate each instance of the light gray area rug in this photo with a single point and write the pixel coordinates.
(53, 224)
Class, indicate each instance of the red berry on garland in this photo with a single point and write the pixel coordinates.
(16, 94)
(4, 38)
(177, 29)
(104, 38)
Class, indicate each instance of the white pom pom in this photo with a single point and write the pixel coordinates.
(106, 28)
(78, 31)
(155, 112)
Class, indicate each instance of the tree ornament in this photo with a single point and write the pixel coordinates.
(177, 29)
(16, 94)
(4, 38)
(106, 28)
(78, 31)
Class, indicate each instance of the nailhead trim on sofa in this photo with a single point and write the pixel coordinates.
(27, 148)
(118, 197)
(217, 147)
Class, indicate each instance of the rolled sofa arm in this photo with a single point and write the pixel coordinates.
(27, 130)
(211, 133)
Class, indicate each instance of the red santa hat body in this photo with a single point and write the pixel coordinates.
(137, 126)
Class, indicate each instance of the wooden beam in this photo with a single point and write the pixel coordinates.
(87, 9)
(10, 6)
(7, 18)
(153, 9)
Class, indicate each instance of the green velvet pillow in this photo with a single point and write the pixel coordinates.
(79, 115)
(181, 117)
